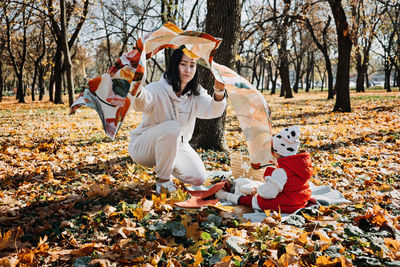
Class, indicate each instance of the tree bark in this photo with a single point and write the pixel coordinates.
(1, 81)
(51, 85)
(286, 91)
(222, 20)
(167, 15)
(58, 76)
(344, 51)
(67, 55)
(34, 84)
(40, 82)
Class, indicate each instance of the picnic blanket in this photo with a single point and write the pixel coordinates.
(112, 93)
(323, 195)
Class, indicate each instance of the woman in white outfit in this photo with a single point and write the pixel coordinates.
(170, 108)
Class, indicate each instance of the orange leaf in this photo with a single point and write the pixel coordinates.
(98, 190)
(326, 261)
(5, 240)
(393, 244)
(192, 230)
(198, 258)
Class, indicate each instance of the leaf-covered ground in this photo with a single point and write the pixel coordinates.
(71, 196)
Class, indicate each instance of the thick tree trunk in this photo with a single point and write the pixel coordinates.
(20, 88)
(344, 52)
(222, 20)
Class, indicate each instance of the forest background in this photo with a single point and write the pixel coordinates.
(69, 195)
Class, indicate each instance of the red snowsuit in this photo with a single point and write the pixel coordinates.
(295, 193)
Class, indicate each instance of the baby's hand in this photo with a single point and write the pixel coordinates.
(254, 191)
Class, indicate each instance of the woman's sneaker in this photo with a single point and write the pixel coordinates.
(168, 186)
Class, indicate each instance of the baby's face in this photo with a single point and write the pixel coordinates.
(276, 155)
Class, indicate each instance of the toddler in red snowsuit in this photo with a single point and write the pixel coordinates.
(286, 189)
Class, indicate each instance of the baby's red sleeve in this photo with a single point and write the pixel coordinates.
(246, 200)
(268, 171)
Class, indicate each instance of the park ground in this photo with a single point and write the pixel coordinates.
(70, 195)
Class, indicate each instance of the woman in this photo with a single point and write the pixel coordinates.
(170, 108)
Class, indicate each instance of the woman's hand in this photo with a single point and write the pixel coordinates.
(219, 86)
(219, 90)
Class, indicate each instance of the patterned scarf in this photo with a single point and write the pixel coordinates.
(112, 93)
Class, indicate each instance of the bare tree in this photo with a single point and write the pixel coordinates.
(323, 46)
(59, 26)
(366, 18)
(16, 34)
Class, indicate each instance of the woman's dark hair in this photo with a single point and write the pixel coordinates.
(173, 78)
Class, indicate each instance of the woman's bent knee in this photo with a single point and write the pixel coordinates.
(197, 181)
(170, 129)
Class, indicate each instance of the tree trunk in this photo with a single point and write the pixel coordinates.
(388, 71)
(271, 78)
(40, 82)
(298, 76)
(20, 89)
(67, 55)
(360, 76)
(34, 83)
(222, 20)
(58, 77)
(51, 85)
(167, 15)
(284, 70)
(396, 78)
(1, 81)
(344, 52)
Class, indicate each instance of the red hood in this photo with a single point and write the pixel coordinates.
(300, 164)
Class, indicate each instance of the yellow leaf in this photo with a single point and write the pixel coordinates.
(198, 258)
(359, 205)
(139, 213)
(179, 195)
(308, 217)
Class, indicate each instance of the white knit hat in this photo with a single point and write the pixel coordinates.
(286, 142)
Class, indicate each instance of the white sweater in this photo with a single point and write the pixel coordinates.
(159, 103)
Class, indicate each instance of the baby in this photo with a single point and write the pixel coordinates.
(286, 189)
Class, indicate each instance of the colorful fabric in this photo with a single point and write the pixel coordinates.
(111, 94)
(200, 198)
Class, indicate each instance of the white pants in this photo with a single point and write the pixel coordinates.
(161, 146)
